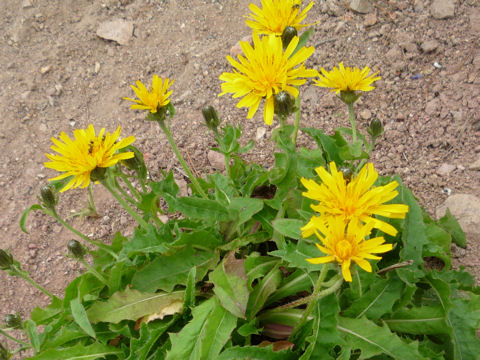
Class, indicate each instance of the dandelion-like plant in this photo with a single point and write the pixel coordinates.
(265, 71)
(356, 200)
(85, 153)
(276, 15)
(345, 244)
(155, 98)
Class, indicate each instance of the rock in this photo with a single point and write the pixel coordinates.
(370, 19)
(97, 67)
(445, 169)
(475, 165)
(442, 9)
(216, 159)
(340, 27)
(183, 187)
(361, 6)
(466, 208)
(261, 131)
(119, 31)
(236, 49)
(45, 69)
(27, 4)
(429, 46)
(365, 114)
(332, 8)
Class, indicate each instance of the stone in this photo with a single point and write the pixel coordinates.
(475, 165)
(332, 8)
(370, 19)
(27, 4)
(445, 169)
(45, 69)
(361, 6)
(442, 9)
(466, 208)
(365, 114)
(429, 46)
(261, 131)
(119, 31)
(216, 159)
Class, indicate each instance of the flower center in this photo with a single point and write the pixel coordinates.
(343, 250)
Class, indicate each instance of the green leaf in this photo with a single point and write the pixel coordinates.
(256, 353)
(23, 219)
(303, 39)
(295, 283)
(145, 241)
(289, 227)
(189, 300)
(450, 224)
(200, 239)
(378, 300)
(258, 266)
(374, 340)
(327, 143)
(149, 334)
(197, 208)
(205, 335)
(167, 271)
(31, 329)
(64, 335)
(428, 320)
(230, 285)
(41, 316)
(262, 291)
(78, 352)
(246, 208)
(132, 305)
(249, 328)
(296, 255)
(80, 316)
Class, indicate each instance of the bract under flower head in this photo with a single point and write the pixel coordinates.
(265, 71)
(344, 245)
(153, 99)
(356, 200)
(347, 79)
(276, 15)
(86, 152)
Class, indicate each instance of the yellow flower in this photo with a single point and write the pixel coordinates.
(356, 200)
(347, 79)
(276, 15)
(265, 71)
(87, 151)
(347, 246)
(154, 99)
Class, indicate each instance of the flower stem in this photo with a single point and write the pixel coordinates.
(26, 276)
(93, 271)
(91, 203)
(180, 158)
(129, 185)
(13, 339)
(297, 121)
(127, 207)
(352, 122)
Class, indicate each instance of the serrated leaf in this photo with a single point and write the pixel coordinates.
(230, 285)
(327, 143)
(78, 352)
(374, 340)
(295, 283)
(145, 241)
(296, 255)
(31, 329)
(197, 208)
(289, 227)
(80, 316)
(149, 334)
(132, 304)
(205, 335)
(261, 292)
(42, 316)
(428, 320)
(64, 335)
(258, 266)
(200, 239)
(189, 300)
(246, 208)
(450, 224)
(256, 353)
(165, 272)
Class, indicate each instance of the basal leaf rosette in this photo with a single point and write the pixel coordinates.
(356, 200)
(276, 15)
(265, 71)
(346, 243)
(80, 156)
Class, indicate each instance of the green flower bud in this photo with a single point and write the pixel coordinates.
(77, 249)
(283, 104)
(349, 97)
(288, 34)
(347, 173)
(13, 321)
(98, 174)
(375, 129)
(211, 117)
(49, 196)
(6, 260)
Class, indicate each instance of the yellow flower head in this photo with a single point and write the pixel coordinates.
(347, 246)
(153, 99)
(356, 200)
(347, 79)
(276, 15)
(265, 71)
(87, 151)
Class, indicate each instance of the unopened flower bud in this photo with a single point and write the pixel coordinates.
(283, 104)
(349, 96)
(77, 249)
(375, 129)
(49, 196)
(211, 117)
(13, 321)
(98, 174)
(288, 34)
(6, 260)
(347, 173)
